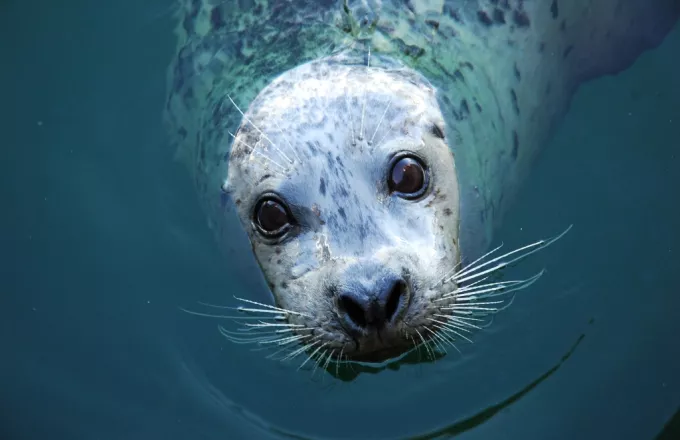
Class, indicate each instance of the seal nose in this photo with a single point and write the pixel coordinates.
(375, 308)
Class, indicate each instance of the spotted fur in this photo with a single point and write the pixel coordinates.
(481, 81)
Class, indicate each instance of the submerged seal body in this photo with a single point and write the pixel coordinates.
(368, 148)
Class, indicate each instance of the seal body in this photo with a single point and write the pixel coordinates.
(301, 109)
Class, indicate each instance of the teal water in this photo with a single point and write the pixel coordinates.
(103, 240)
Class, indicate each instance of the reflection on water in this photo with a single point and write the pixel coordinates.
(103, 241)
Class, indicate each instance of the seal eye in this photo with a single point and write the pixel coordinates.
(408, 178)
(272, 218)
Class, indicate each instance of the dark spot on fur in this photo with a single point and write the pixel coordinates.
(216, 19)
(278, 261)
(554, 9)
(459, 75)
(479, 107)
(484, 18)
(567, 51)
(341, 211)
(464, 108)
(518, 75)
(284, 285)
(521, 19)
(409, 50)
(266, 176)
(322, 187)
(238, 202)
(436, 131)
(453, 13)
(447, 211)
(515, 104)
(563, 25)
(515, 144)
(467, 65)
(498, 16)
(182, 132)
(433, 23)
(278, 251)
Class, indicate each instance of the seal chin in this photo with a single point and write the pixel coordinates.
(381, 356)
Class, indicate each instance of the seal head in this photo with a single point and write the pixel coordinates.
(345, 184)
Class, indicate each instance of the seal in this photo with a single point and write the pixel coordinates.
(369, 149)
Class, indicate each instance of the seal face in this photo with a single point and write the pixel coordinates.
(344, 181)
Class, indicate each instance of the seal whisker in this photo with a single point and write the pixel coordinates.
(442, 279)
(446, 336)
(445, 327)
(465, 293)
(457, 320)
(254, 150)
(278, 127)
(416, 346)
(284, 341)
(498, 290)
(473, 311)
(380, 121)
(270, 324)
(329, 359)
(284, 349)
(448, 324)
(337, 362)
(468, 306)
(230, 335)
(351, 119)
(245, 118)
(318, 361)
(451, 340)
(470, 273)
(209, 315)
(295, 353)
(363, 106)
(436, 340)
(382, 139)
(470, 293)
(267, 306)
(427, 347)
(311, 356)
(471, 265)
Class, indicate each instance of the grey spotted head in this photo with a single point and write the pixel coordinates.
(347, 189)
(346, 185)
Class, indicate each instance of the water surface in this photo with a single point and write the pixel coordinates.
(103, 240)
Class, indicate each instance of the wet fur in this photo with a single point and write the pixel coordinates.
(503, 73)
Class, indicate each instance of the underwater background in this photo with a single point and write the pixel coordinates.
(103, 241)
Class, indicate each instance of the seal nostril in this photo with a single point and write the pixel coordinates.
(393, 299)
(353, 310)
